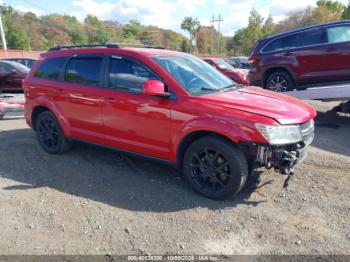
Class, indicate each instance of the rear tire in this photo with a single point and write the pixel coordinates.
(50, 134)
(215, 168)
(279, 81)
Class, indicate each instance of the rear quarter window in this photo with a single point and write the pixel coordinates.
(51, 68)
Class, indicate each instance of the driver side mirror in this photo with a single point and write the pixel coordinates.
(154, 88)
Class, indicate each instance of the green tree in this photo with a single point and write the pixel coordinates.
(190, 25)
(96, 31)
(17, 38)
(184, 46)
(131, 29)
(333, 6)
(268, 27)
(346, 12)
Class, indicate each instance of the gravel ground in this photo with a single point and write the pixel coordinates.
(95, 201)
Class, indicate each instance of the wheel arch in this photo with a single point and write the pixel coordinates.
(42, 105)
(188, 139)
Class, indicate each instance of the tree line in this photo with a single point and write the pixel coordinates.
(204, 38)
(27, 31)
(245, 39)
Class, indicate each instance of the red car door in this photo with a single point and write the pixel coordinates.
(79, 96)
(133, 121)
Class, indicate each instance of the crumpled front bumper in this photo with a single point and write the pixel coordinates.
(281, 158)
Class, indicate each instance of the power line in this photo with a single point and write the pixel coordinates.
(217, 20)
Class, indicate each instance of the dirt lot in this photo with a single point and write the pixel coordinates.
(94, 201)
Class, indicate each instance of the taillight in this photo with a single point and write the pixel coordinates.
(253, 59)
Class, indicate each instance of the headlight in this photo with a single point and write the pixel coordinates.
(279, 135)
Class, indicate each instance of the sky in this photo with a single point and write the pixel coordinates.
(166, 13)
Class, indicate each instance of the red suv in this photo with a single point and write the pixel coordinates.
(317, 54)
(168, 106)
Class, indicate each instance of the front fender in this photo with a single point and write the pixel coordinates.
(45, 101)
(234, 130)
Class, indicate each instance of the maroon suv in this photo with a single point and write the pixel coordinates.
(11, 75)
(312, 55)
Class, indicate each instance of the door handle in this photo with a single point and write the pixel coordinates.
(330, 49)
(61, 91)
(287, 53)
(110, 99)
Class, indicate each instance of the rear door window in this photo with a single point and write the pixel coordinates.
(338, 34)
(310, 37)
(84, 71)
(128, 75)
(51, 68)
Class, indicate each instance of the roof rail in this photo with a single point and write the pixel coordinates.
(113, 45)
(59, 47)
(139, 45)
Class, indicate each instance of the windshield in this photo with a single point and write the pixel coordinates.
(223, 65)
(194, 75)
(19, 67)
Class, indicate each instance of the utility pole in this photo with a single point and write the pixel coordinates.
(218, 20)
(195, 28)
(212, 34)
(2, 33)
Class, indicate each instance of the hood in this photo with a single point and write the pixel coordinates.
(282, 108)
(234, 71)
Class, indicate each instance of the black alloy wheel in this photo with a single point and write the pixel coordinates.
(215, 168)
(210, 170)
(50, 134)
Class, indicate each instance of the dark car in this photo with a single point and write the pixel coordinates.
(28, 62)
(237, 75)
(239, 62)
(11, 75)
(314, 55)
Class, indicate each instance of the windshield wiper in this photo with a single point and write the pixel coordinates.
(210, 89)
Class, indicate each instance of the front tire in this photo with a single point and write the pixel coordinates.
(215, 168)
(50, 134)
(279, 82)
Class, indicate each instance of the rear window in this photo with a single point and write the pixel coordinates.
(51, 68)
(84, 71)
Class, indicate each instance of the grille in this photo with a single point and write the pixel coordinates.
(308, 132)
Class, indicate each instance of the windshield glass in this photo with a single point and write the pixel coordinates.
(194, 75)
(21, 68)
(223, 65)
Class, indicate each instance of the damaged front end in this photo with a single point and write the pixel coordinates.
(282, 158)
